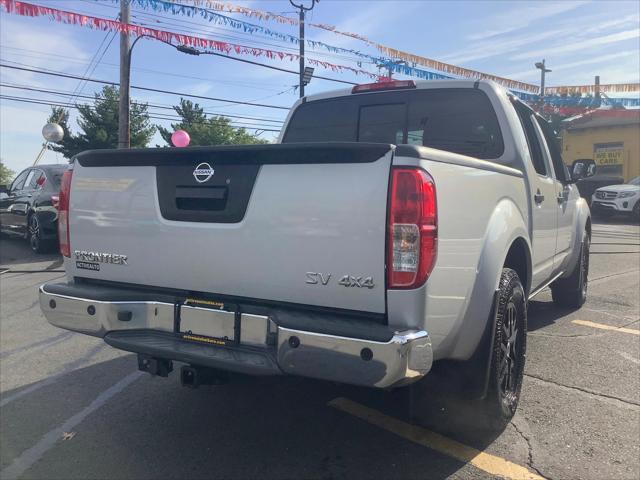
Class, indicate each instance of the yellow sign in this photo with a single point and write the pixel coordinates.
(608, 154)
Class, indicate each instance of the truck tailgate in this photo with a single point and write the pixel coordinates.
(275, 222)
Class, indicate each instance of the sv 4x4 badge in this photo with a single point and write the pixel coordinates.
(316, 278)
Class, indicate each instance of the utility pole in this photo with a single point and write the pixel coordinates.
(543, 71)
(303, 9)
(124, 139)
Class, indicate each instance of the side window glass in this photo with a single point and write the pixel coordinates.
(27, 182)
(554, 148)
(526, 119)
(18, 183)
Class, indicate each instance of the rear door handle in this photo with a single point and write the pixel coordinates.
(538, 197)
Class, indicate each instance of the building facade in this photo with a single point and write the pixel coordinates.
(610, 137)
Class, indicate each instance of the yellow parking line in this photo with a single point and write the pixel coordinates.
(602, 326)
(484, 461)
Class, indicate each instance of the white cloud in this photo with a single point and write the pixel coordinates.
(523, 16)
(578, 29)
(494, 47)
(20, 134)
(581, 44)
(48, 42)
(533, 73)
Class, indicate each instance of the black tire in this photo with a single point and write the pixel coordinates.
(509, 351)
(571, 292)
(636, 212)
(34, 235)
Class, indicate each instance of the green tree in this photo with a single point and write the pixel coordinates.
(6, 175)
(203, 130)
(99, 125)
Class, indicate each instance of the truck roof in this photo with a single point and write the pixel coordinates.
(420, 84)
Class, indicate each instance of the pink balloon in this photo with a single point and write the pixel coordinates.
(180, 138)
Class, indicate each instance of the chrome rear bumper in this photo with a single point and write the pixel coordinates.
(149, 327)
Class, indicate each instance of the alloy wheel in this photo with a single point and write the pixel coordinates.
(509, 354)
(34, 233)
(584, 266)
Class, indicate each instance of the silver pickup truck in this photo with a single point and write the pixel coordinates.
(392, 226)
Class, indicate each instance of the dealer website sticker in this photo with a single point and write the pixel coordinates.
(88, 266)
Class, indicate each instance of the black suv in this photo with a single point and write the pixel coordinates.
(28, 207)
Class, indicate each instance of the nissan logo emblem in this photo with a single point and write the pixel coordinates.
(203, 172)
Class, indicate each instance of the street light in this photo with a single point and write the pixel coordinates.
(543, 70)
(307, 75)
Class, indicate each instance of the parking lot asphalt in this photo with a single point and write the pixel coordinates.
(73, 407)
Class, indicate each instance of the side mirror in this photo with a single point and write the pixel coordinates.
(4, 189)
(583, 168)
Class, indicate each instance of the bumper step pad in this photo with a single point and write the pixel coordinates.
(246, 360)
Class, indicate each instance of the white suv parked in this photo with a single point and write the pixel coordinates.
(618, 199)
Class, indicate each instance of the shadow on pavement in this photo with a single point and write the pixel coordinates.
(277, 427)
(15, 251)
(613, 219)
(544, 313)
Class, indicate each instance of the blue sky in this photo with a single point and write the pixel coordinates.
(578, 39)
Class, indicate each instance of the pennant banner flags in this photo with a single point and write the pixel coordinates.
(563, 103)
(251, 12)
(31, 10)
(604, 88)
(408, 57)
(387, 51)
(526, 92)
(211, 16)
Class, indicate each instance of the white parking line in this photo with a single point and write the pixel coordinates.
(30, 456)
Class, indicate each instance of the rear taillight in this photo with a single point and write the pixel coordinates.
(63, 213)
(412, 240)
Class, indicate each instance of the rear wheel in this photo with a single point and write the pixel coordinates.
(571, 291)
(34, 234)
(636, 212)
(509, 350)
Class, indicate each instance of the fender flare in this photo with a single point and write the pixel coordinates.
(506, 225)
(583, 218)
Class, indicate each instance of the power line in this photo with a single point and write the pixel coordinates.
(295, 72)
(156, 116)
(249, 40)
(84, 84)
(152, 105)
(147, 89)
(206, 29)
(261, 86)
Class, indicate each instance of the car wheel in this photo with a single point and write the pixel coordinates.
(509, 350)
(34, 234)
(636, 211)
(571, 291)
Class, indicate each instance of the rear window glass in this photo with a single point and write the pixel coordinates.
(456, 120)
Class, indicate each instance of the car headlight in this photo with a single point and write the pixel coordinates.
(626, 194)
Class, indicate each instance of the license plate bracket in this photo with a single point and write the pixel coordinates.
(207, 324)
